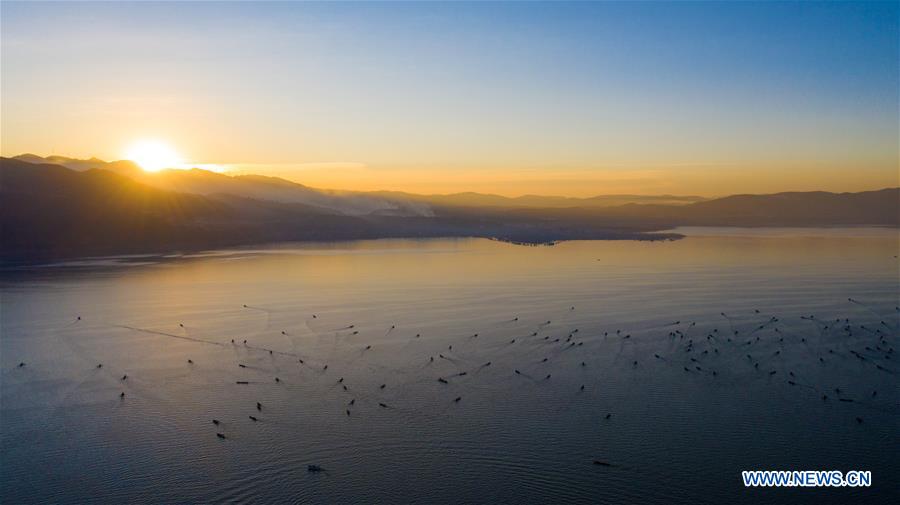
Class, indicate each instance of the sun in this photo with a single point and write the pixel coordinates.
(153, 155)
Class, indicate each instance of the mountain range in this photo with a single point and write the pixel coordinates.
(62, 207)
(205, 182)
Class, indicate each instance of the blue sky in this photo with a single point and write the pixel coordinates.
(575, 97)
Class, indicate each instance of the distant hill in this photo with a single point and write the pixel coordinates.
(538, 201)
(205, 182)
(123, 167)
(816, 208)
(812, 209)
(50, 211)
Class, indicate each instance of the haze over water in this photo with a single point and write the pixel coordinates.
(673, 435)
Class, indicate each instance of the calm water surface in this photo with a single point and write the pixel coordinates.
(590, 314)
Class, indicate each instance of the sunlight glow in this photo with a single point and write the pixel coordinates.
(153, 155)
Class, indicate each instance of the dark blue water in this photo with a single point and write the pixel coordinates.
(672, 435)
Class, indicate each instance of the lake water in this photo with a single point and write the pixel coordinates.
(672, 435)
